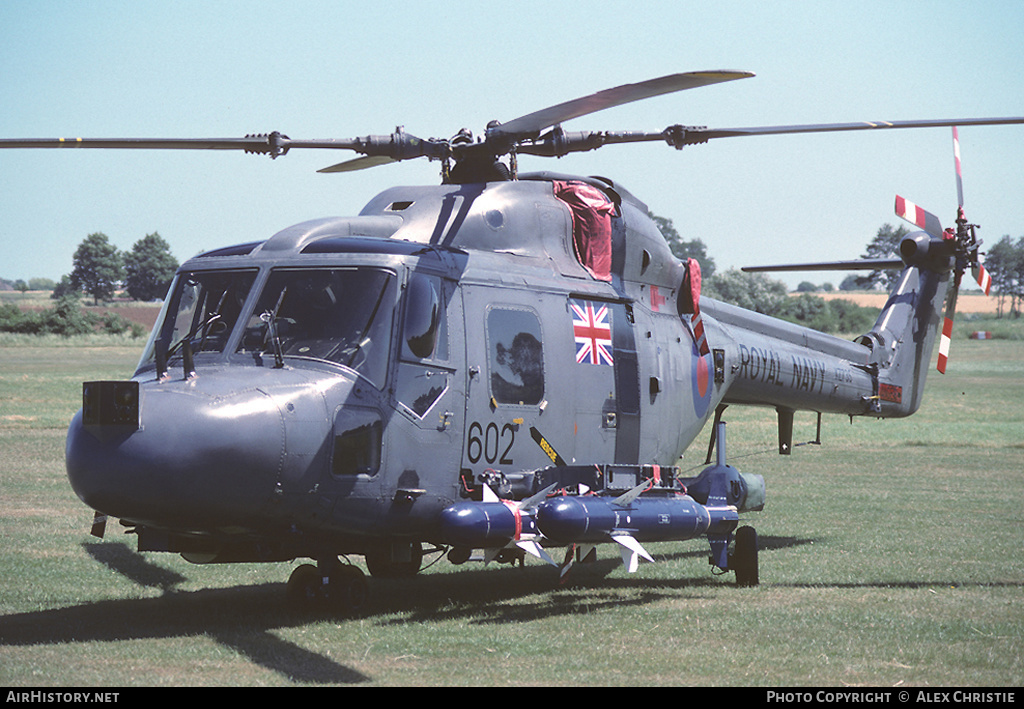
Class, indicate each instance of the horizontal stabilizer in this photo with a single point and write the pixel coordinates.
(856, 265)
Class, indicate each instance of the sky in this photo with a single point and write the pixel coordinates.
(185, 69)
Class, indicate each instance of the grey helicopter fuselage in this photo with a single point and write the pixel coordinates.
(341, 384)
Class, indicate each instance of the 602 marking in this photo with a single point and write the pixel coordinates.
(486, 443)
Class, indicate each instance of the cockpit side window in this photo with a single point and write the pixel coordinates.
(425, 325)
(340, 315)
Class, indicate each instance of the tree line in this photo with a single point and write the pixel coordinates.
(99, 269)
(757, 291)
(146, 270)
(763, 294)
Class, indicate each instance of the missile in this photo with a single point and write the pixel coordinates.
(630, 519)
(567, 520)
(495, 524)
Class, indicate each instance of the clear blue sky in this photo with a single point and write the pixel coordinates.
(344, 69)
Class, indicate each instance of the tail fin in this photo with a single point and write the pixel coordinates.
(903, 337)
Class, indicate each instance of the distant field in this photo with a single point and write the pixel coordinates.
(143, 313)
(966, 302)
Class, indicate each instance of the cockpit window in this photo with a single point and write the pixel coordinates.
(340, 315)
(201, 309)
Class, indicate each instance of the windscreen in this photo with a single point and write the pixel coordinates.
(202, 308)
(340, 315)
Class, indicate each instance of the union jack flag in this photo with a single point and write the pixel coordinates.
(591, 324)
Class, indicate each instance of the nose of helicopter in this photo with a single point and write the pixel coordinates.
(192, 458)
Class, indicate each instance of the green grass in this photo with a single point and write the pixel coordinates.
(891, 555)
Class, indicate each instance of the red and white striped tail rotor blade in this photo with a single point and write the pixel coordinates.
(944, 339)
(983, 277)
(947, 324)
(918, 216)
(959, 174)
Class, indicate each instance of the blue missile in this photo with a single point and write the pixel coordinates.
(495, 524)
(627, 519)
(598, 518)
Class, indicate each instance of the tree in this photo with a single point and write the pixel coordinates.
(1005, 263)
(65, 288)
(682, 250)
(753, 291)
(851, 282)
(886, 244)
(41, 283)
(149, 268)
(97, 267)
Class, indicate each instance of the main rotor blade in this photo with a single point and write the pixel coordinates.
(857, 265)
(248, 143)
(701, 135)
(533, 123)
(273, 144)
(363, 163)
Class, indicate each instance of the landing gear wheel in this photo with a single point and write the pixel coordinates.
(346, 589)
(744, 557)
(304, 584)
(341, 588)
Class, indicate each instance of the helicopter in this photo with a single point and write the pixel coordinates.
(501, 365)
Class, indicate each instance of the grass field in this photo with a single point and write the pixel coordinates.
(893, 554)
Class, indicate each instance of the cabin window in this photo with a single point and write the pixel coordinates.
(516, 357)
(340, 315)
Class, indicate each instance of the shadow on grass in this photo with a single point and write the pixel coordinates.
(242, 617)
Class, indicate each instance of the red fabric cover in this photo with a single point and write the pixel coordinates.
(693, 273)
(591, 226)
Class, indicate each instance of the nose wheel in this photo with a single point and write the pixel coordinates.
(330, 586)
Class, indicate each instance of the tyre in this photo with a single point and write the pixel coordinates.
(744, 557)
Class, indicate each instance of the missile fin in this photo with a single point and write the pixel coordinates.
(626, 498)
(631, 551)
(532, 547)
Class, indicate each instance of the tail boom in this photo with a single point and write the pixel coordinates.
(882, 373)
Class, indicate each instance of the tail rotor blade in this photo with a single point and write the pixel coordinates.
(983, 277)
(947, 327)
(959, 174)
(918, 216)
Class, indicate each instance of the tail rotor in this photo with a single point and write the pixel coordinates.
(965, 246)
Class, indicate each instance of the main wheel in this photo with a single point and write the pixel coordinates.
(304, 587)
(744, 557)
(346, 589)
(341, 588)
